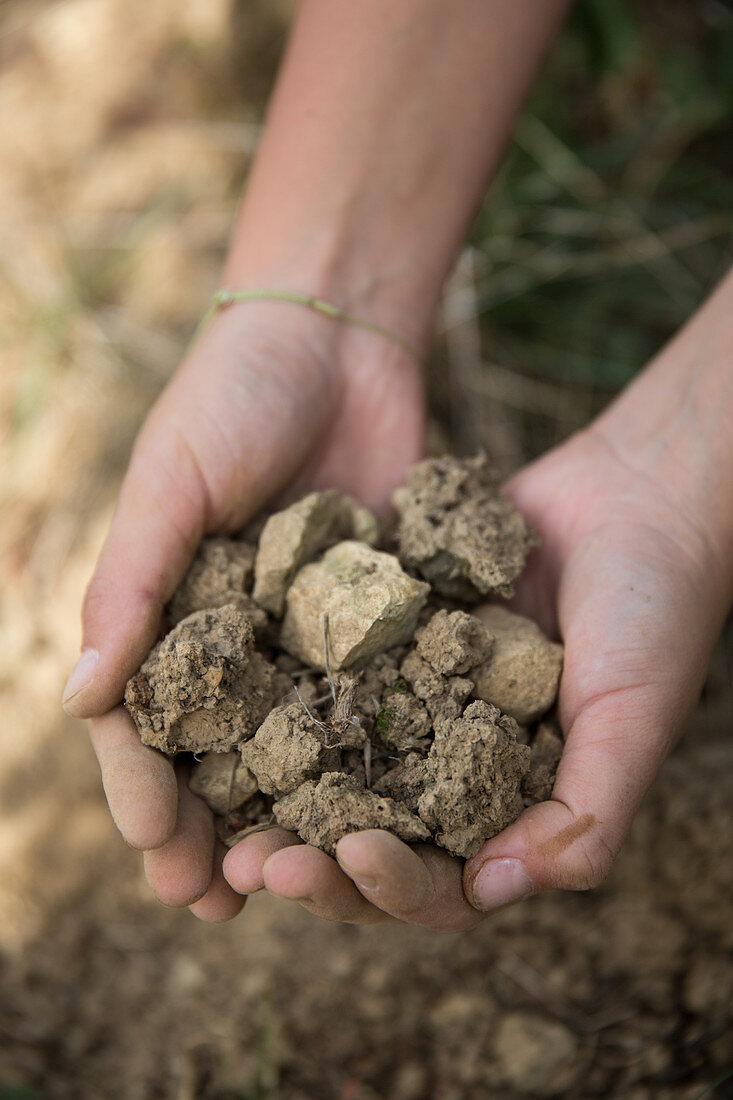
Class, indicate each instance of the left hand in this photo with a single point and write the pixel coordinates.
(632, 577)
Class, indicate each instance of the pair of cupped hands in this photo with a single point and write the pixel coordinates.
(274, 400)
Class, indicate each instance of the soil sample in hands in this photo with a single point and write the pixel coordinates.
(332, 680)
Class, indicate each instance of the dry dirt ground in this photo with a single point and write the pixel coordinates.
(121, 152)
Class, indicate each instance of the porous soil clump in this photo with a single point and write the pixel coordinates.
(332, 679)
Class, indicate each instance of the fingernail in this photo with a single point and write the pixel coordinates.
(500, 882)
(82, 675)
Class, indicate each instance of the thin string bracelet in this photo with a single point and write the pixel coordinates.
(224, 298)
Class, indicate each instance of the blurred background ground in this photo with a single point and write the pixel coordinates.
(127, 129)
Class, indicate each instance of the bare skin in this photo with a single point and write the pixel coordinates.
(635, 512)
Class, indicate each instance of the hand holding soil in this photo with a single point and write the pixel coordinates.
(634, 514)
(614, 573)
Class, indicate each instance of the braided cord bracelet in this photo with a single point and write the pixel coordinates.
(224, 298)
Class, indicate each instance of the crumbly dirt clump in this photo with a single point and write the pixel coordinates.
(457, 529)
(203, 687)
(333, 690)
(321, 813)
(474, 773)
(221, 573)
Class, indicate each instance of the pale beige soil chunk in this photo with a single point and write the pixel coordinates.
(223, 781)
(221, 573)
(203, 687)
(522, 674)
(453, 642)
(287, 749)
(458, 530)
(291, 538)
(371, 604)
(321, 813)
(474, 770)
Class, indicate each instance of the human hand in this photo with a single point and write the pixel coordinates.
(271, 397)
(634, 573)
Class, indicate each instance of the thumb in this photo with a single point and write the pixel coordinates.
(613, 751)
(161, 515)
(203, 462)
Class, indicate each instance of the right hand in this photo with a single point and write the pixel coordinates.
(271, 397)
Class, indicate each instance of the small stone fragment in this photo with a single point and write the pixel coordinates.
(371, 604)
(545, 753)
(475, 769)
(522, 674)
(321, 813)
(444, 696)
(223, 781)
(204, 687)
(402, 722)
(536, 1055)
(220, 574)
(288, 749)
(458, 530)
(405, 782)
(291, 538)
(453, 642)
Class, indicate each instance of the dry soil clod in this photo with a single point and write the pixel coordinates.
(474, 772)
(203, 687)
(321, 813)
(223, 781)
(288, 749)
(221, 573)
(289, 539)
(371, 603)
(454, 642)
(545, 753)
(522, 674)
(457, 529)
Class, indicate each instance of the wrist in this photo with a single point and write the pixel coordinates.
(328, 260)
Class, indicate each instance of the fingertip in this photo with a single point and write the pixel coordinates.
(146, 813)
(315, 880)
(288, 873)
(243, 864)
(139, 782)
(174, 883)
(181, 871)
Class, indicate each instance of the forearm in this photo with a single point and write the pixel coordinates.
(675, 422)
(387, 121)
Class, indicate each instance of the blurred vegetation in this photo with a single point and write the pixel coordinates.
(611, 217)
